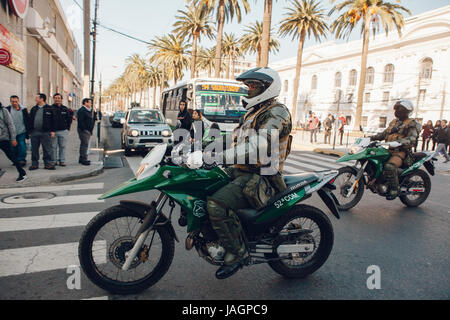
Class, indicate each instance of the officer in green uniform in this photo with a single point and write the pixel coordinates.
(264, 113)
(404, 131)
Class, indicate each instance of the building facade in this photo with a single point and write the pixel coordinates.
(44, 55)
(414, 66)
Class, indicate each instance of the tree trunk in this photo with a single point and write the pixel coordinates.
(233, 68)
(258, 57)
(194, 56)
(175, 73)
(154, 96)
(362, 76)
(228, 67)
(297, 76)
(218, 59)
(266, 34)
(209, 72)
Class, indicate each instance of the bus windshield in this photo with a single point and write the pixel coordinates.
(221, 103)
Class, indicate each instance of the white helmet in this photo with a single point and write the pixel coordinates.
(269, 85)
(406, 104)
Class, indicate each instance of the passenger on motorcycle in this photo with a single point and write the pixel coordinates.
(405, 131)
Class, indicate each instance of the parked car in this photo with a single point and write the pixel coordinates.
(116, 119)
(144, 129)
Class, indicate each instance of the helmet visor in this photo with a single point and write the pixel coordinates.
(255, 88)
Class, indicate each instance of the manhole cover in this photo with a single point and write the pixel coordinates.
(28, 198)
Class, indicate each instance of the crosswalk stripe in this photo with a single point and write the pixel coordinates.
(303, 160)
(56, 201)
(287, 169)
(46, 222)
(314, 157)
(309, 166)
(45, 258)
(86, 186)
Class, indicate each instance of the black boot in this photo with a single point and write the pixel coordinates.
(227, 271)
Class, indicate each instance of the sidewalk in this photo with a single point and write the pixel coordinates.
(72, 171)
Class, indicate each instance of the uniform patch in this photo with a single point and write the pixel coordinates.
(199, 208)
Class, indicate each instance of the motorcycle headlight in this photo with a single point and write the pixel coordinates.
(166, 133)
(133, 133)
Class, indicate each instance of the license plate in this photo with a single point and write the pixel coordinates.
(147, 145)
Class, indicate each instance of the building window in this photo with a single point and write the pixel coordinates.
(388, 73)
(426, 68)
(352, 78)
(367, 97)
(286, 85)
(382, 123)
(337, 80)
(314, 82)
(422, 93)
(348, 120)
(350, 98)
(370, 75)
(385, 98)
(364, 121)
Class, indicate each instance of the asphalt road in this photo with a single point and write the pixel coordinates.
(409, 246)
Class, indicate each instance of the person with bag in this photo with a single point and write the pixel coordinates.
(249, 186)
(8, 140)
(426, 135)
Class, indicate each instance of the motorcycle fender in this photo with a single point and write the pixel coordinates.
(429, 165)
(142, 208)
(330, 200)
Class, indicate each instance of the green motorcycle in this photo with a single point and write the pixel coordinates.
(415, 184)
(129, 247)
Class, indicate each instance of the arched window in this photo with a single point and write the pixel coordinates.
(426, 68)
(314, 82)
(369, 75)
(388, 73)
(337, 79)
(286, 85)
(352, 78)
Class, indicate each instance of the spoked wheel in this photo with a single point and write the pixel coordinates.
(417, 187)
(104, 248)
(319, 236)
(344, 182)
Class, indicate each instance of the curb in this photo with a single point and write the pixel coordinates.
(79, 175)
(330, 152)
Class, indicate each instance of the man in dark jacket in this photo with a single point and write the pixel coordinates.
(19, 115)
(8, 139)
(42, 131)
(63, 121)
(86, 123)
(442, 140)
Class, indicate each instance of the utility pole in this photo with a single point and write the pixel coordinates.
(87, 45)
(336, 120)
(94, 38)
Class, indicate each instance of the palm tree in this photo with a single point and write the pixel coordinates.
(251, 41)
(226, 10)
(368, 11)
(155, 76)
(302, 19)
(231, 49)
(138, 73)
(170, 50)
(266, 33)
(192, 24)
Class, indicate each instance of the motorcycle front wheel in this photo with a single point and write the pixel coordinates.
(104, 246)
(343, 182)
(321, 236)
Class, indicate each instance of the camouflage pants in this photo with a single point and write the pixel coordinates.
(222, 207)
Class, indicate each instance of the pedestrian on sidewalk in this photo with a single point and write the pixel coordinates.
(437, 127)
(443, 140)
(328, 125)
(63, 121)
(19, 115)
(86, 123)
(42, 131)
(341, 124)
(427, 134)
(8, 140)
(313, 125)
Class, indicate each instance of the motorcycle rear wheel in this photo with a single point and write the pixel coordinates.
(426, 181)
(322, 249)
(116, 251)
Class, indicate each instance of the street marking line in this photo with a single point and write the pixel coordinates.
(309, 166)
(86, 186)
(45, 258)
(98, 298)
(291, 170)
(327, 165)
(314, 158)
(46, 222)
(56, 201)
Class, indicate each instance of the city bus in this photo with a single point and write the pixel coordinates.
(219, 100)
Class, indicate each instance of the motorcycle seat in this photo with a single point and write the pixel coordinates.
(292, 180)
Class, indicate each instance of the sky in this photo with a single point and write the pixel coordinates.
(148, 19)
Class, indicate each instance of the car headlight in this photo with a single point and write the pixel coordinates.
(166, 133)
(133, 133)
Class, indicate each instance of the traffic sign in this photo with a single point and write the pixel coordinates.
(19, 7)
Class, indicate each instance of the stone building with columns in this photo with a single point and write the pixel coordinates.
(415, 66)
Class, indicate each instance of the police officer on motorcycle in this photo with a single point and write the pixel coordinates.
(264, 113)
(404, 131)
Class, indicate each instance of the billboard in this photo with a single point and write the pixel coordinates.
(10, 43)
